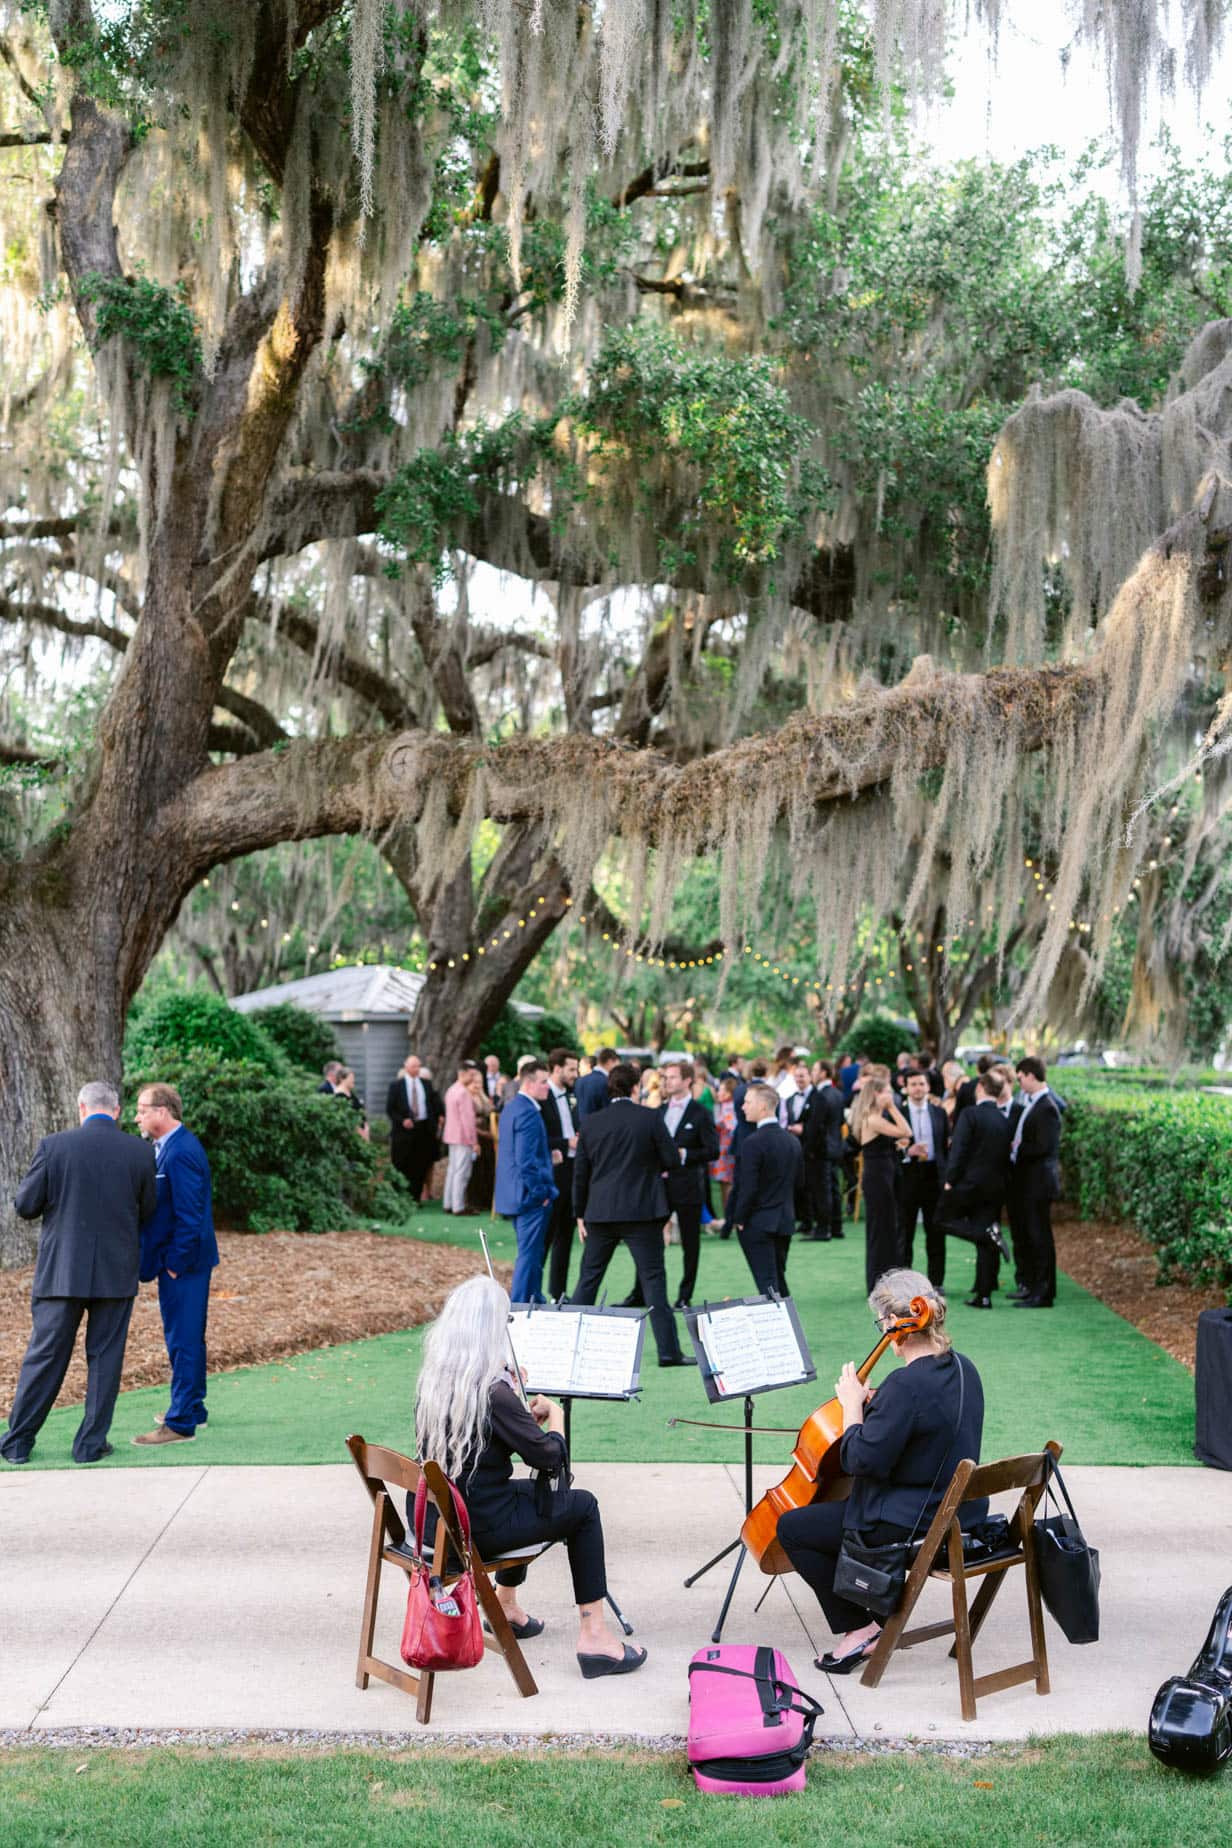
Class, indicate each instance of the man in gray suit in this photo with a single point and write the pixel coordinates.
(94, 1187)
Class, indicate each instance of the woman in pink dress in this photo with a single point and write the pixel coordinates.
(724, 1168)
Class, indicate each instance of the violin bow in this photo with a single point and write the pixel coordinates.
(513, 1352)
(710, 1424)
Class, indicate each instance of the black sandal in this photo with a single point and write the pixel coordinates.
(534, 1626)
(592, 1666)
(846, 1664)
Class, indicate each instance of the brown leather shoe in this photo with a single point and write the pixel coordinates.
(163, 1434)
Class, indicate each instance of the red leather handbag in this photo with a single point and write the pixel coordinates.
(442, 1628)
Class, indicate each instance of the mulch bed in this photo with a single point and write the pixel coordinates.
(1119, 1266)
(272, 1297)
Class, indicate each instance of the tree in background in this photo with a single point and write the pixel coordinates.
(308, 324)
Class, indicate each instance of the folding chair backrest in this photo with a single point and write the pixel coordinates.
(1010, 1473)
(383, 1468)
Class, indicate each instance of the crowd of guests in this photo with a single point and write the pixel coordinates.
(768, 1150)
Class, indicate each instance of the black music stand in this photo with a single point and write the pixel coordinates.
(722, 1387)
(573, 1371)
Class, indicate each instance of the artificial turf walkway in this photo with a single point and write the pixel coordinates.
(1063, 1791)
(1078, 1373)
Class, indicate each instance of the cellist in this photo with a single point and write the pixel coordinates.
(900, 1446)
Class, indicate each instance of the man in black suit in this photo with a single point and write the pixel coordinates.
(793, 1108)
(822, 1147)
(691, 1128)
(94, 1188)
(974, 1184)
(416, 1115)
(920, 1177)
(333, 1071)
(1034, 1183)
(762, 1203)
(623, 1153)
(592, 1090)
(559, 1109)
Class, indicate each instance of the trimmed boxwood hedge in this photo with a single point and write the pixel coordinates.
(1158, 1155)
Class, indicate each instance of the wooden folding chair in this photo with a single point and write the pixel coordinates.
(944, 1542)
(383, 1470)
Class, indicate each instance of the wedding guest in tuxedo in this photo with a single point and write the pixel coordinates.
(526, 1180)
(964, 1097)
(1035, 1182)
(93, 1187)
(416, 1117)
(592, 1091)
(793, 1108)
(178, 1247)
(691, 1128)
(921, 1175)
(926, 1062)
(822, 1149)
(880, 1132)
(560, 1121)
(619, 1197)
(762, 1205)
(974, 1184)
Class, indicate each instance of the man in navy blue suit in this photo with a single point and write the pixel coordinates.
(591, 1092)
(525, 1186)
(178, 1247)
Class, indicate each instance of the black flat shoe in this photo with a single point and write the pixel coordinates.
(979, 1302)
(534, 1626)
(847, 1664)
(1032, 1302)
(680, 1360)
(680, 1303)
(592, 1666)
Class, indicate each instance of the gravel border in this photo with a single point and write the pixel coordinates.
(299, 1739)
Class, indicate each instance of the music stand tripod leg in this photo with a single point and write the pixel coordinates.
(702, 1570)
(716, 1635)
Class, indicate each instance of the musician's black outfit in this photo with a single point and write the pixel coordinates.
(508, 1513)
(900, 1460)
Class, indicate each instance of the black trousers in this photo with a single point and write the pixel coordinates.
(822, 1177)
(558, 1246)
(811, 1538)
(644, 1239)
(1018, 1240)
(919, 1190)
(56, 1321)
(412, 1152)
(1039, 1250)
(767, 1259)
(689, 1219)
(880, 1216)
(572, 1515)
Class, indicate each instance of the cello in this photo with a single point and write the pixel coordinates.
(816, 1471)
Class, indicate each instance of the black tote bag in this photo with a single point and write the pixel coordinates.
(1068, 1569)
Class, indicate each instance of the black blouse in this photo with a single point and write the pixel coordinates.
(910, 1438)
(484, 1477)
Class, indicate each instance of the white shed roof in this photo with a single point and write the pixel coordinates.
(359, 992)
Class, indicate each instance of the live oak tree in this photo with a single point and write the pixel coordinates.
(377, 295)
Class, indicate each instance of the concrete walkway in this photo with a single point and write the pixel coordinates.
(225, 1597)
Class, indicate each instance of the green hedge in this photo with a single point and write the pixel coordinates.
(1158, 1157)
(880, 1037)
(308, 1042)
(197, 1021)
(282, 1155)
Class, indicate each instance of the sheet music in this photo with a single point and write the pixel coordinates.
(751, 1346)
(576, 1351)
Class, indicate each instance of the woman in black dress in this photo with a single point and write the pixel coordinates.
(471, 1420)
(880, 1132)
(900, 1446)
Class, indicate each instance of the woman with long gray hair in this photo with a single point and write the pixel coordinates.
(470, 1419)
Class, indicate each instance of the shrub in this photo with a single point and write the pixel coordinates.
(282, 1156)
(307, 1041)
(880, 1037)
(1160, 1159)
(514, 1035)
(196, 1021)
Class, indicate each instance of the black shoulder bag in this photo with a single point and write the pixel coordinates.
(1068, 1567)
(874, 1576)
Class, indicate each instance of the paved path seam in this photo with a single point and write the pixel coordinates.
(184, 1499)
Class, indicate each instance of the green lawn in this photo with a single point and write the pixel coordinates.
(1105, 1790)
(1078, 1373)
